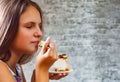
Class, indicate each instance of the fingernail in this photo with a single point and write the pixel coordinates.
(48, 38)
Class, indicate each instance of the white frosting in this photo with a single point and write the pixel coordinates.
(61, 64)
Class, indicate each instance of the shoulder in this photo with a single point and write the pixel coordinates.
(3, 68)
(2, 65)
(4, 72)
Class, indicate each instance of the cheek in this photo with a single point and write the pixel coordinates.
(22, 39)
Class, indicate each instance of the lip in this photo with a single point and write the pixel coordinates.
(35, 43)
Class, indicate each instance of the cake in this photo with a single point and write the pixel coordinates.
(61, 64)
(41, 43)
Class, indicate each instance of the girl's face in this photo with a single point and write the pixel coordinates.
(29, 32)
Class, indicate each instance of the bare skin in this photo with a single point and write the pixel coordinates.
(26, 42)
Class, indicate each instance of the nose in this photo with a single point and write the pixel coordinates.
(38, 32)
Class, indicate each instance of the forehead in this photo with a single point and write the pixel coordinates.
(30, 14)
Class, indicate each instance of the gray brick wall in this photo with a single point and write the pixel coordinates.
(88, 31)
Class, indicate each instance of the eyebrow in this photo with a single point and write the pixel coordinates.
(32, 22)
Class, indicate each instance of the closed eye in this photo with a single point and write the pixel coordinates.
(29, 27)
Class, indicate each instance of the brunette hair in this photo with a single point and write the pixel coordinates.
(9, 22)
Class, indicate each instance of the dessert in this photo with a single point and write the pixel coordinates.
(61, 64)
(41, 43)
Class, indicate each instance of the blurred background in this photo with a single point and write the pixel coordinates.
(88, 31)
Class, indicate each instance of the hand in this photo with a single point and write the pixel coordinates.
(47, 56)
(57, 76)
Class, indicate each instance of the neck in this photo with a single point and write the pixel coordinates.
(13, 60)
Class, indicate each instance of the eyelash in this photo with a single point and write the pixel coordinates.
(29, 27)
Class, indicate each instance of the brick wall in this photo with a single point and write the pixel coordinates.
(88, 32)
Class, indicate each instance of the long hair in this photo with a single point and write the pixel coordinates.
(11, 11)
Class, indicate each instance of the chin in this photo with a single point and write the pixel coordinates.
(32, 51)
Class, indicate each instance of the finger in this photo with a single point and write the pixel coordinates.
(46, 44)
(65, 74)
(55, 77)
(53, 48)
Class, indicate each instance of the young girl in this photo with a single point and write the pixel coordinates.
(20, 32)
